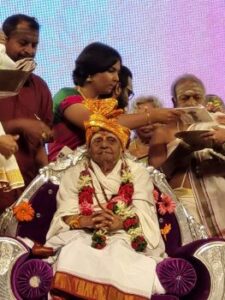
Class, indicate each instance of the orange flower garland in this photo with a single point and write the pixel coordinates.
(24, 212)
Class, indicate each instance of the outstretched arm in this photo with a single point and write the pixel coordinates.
(77, 113)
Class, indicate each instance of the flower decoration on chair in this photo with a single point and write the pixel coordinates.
(164, 205)
(24, 211)
(121, 205)
(166, 230)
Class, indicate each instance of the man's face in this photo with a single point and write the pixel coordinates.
(105, 147)
(127, 92)
(104, 82)
(189, 93)
(22, 42)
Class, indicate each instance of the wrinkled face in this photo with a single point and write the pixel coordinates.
(103, 83)
(22, 42)
(145, 132)
(105, 147)
(189, 93)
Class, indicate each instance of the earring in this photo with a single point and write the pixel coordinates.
(89, 79)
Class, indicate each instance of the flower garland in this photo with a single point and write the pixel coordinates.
(119, 205)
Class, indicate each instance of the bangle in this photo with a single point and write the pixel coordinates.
(74, 222)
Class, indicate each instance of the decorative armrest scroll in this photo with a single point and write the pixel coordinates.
(189, 228)
(11, 252)
(212, 255)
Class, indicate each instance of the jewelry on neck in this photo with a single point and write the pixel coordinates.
(81, 93)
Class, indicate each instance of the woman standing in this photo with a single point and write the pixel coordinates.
(96, 73)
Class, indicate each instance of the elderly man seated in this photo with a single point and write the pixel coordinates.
(106, 224)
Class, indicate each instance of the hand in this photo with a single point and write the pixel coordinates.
(36, 131)
(165, 115)
(117, 223)
(106, 219)
(221, 119)
(103, 219)
(8, 145)
(217, 135)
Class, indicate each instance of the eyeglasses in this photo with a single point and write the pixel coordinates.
(130, 94)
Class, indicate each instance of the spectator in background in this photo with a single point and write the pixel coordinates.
(139, 146)
(124, 88)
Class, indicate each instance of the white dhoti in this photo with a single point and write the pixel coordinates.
(114, 272)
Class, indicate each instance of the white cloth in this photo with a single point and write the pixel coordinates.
(212, 189)
(10, 176)
(117, 264)
(6, 62)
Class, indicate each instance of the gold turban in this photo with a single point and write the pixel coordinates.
(103, 117)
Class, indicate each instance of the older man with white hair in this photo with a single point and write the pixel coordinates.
(106, 223)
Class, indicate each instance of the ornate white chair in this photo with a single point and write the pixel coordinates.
(25, 277)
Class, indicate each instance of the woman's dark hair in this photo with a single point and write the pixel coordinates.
(10, 24)
(95, 58)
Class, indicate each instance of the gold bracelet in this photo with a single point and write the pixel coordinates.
(73, 221)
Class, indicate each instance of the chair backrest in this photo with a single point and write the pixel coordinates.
(41, 194)
(42, 191)
(43, 202)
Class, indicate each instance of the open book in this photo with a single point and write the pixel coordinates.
(195, 114)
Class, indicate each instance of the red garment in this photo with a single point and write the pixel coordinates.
(33, 99)
(65, 133)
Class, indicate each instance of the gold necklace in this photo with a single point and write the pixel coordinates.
(81, 93)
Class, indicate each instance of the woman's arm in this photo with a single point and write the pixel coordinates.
(78, 113)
